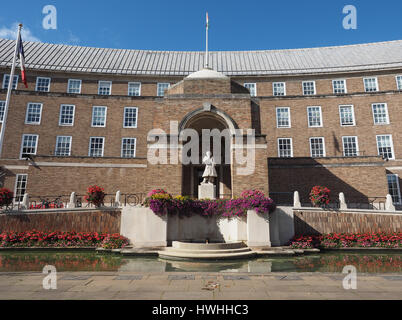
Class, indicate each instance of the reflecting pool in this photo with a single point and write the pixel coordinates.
(94, 262)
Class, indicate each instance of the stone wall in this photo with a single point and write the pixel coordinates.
(316, 221)
(107, 221)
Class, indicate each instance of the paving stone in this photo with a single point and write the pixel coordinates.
(230, 277)
(393, 278)
(76, 278)
(128, 278)
(288, 278)
(181, 277)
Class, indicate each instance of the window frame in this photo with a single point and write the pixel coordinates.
(135, 147)
(68, 86)
(323, 147)
(255, 88)
(22, 145)
(4, 106)
(15, 186)
(157, 88)
(69, 151)
(391, 142)
(60, 114)
(99, 87)
(357, 146)
(40, 114)
(291, 147)
(92, 120)
(321, 119)
(345, 85)
(37, 82)
(314, 86)
(353, 114)
(277, 118)
(398, 85)
(103, 147)
(386, 114)
(284, 89)
(376, 83)
(398, 187)
(124, 118)
(4, 81)
(139, 90)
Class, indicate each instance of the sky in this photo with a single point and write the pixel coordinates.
(180, 24)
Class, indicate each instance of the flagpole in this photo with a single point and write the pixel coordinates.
(206, 46)
(9, 90)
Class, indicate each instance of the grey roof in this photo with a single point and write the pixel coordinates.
(58, 57)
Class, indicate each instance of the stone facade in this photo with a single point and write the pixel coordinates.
(232, 108)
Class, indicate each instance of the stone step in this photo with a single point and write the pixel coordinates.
(222, 251)
(207, 246)
(206, 256)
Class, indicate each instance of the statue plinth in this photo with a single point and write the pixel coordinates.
(206, 191)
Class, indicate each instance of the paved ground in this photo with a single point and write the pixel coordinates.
(196, 286)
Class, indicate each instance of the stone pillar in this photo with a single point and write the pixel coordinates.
(117, 201)
(274, 229)
(296, 200)
(258, 234)
(342, 202)
(73, 201)
(25, 202)
(389, 204)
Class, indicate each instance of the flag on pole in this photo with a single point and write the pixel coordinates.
(207, 22)
(21, 56)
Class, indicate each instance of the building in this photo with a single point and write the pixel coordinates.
(322, 116)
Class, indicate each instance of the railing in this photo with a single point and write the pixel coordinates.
(282, 198)
(133, 199)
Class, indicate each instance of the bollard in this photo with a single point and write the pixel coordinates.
(296, 200)
(117, 201)
(73, 201)
(25, 202)
(342, 202)
(389, 204)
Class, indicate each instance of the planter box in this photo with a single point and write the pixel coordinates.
(258, 234)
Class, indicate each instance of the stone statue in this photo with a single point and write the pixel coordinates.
(210, 172)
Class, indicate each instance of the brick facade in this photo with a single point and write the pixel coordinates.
(358, 177)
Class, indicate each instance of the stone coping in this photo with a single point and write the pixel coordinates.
(356, 211)
(61, 210)
(361, 249)
(36, 249)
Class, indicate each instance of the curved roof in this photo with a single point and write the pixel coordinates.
(58, 57)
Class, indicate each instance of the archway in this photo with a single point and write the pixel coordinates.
(214, 134)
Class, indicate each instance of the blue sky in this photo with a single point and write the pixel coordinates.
(180, 24)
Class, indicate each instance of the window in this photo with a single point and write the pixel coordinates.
(370, 84)
(74, 86)
(128, 147)
(347, 116)
(380, 113)
(393, 186)
(63, 147)
(283, 117)
(314, 117)
(99, 116)
(134, 89)
(2, 106)
(34, 113)
(42, 84)
(67, 113)
(20, 187)
(130, 117)
(317, 147)
(285, 148)
(29, 145)
(385, 146)
(279, 89)
(162, 87)
(96, 146)
(399, 82)
(308, 88)
(6, 80)
(105, 88)
(252, 87)
(350, 147)
(339, 86)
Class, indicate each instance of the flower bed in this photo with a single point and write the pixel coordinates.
(32, 239)
(162, 203)
(344, 240)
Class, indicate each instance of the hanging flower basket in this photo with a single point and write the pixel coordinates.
(95, 195)
(320, 196)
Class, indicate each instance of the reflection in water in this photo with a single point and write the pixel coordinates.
(91, 261)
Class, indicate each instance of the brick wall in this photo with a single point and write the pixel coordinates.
(79, 221)
(308, 222)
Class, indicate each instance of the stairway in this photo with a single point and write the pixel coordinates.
(207, 251)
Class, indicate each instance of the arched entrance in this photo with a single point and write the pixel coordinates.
(214, 134)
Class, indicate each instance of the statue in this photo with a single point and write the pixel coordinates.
(210, 172)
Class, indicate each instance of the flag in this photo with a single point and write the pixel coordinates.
(207, 22)
(21, 56)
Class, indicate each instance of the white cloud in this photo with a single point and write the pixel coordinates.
(11, 33)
